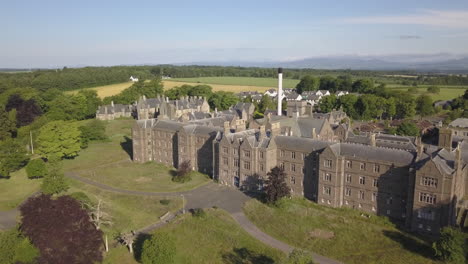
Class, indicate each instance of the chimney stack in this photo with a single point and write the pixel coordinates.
(227, 127)
(280, 91)
(373, 142)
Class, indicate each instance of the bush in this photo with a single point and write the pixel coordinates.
(198, 212)
(165, 202)
(94, 130)
(160, 248)
(298, 256)
(412, 90)
(183, 172)
(433, 89)
(450, 246)
(15, 248)
(36, 169)
(407, 128)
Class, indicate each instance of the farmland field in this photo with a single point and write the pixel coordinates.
(219, 87)
(108, 90)
(446, 92)
(241, 81)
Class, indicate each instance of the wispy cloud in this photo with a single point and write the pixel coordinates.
(435, 18)
(405, 37)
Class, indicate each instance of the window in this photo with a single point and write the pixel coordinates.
(361, 195)
(348, 191)
(362, 166)
(388, 212)
(293, 155)
(326, 190)
(225, 161)
(225, 150)
(348, 178)
(376, 182)
(390, 200)
(349, 164)
(261, 167)
(247, 153)
(282, 165)
(234, 151)
(293, 180)
(327, 163)
(426, 214)
(427, 181)
(327, 177)
(261, 154)
(282, 153)
(376, 168)
(246, 165)
(427, 198)
(374, 196)
(293, 167)
(236, 162)
(362, 180)
(302, 156)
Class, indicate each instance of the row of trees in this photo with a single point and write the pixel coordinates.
(340, 83)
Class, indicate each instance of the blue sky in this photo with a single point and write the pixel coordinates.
(57, 33)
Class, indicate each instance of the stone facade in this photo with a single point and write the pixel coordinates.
(113, 111)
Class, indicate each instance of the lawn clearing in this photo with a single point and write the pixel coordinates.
(342, 234)
(446, 92)
(16, 189)
(107, 90)
(214, 238)
(128, 212)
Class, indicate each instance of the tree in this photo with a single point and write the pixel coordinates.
(12, 157)
(407, 128)
(15, 248)
(298, 256)
(276, 187)
(7, 123)
(201, 90)
(61, 229)
(36, 169)
(183, 172)
(26, 110)
(348, 103)
(265, 103)
(59, 138)
(449, 246)
(424, 105)
(433, 89)
(405, 106)
(328, 83)
(363, 86)
(412, 90)
(328, 103)
(160, 248)
(222, 100)
(54, 181)
(390, 107)
(307, 83)
(92, 102)
(94, 130)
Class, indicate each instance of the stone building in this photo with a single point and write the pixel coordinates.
(113, 111)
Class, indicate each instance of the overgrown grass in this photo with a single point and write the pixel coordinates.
(16, 189)
(242, 81)
(342, 234)
(216, 238)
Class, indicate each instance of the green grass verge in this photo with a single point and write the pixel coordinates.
(216, 238)
(342, 234)
(16, 189)
(267, 82)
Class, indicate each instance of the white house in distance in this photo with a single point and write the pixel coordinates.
(341, 93)
(133, 79)
(271, 92)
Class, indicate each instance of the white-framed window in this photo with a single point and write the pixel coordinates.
(293, 155)
(348, 191)
(362, 166)
(327, 176)
(428, 181)
(293, 167)
(361, 195)
(247, 153)
(282, 153)
(374, 196)
(362, 180)
(261, 167)
(326, 190)
(247, 165)
(348, 178)
(327, 163)
(376, 168)
(261, 154)
(427, 198)
(375, 182)
(349, 164)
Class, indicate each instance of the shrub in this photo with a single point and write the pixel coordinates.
(160, 248)
(36, 169)
(198, 212)
(433, 89)
(449, 247)
(298, 256)
(15, 248)
(183, 172)
(165, 202)
(412, 90)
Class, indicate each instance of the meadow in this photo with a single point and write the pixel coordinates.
(16, 189)
(446, 92)
(339, 233)
(107, 90)
(240, 81)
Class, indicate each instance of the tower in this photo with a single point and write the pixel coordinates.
(280, 91)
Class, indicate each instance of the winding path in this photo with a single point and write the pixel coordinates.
(206, 196)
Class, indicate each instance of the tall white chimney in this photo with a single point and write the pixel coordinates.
(280, 90)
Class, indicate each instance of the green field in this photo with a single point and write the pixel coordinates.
(16, 189)
(242, 81)
(342, 234)
(446, 92)
(107, 90)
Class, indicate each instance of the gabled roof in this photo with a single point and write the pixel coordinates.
(459, 122)
(401, 157)
(300, 144)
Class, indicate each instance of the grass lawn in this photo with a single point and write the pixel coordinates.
(216, 238)
(338, 233)
(107, 90)
(16, 189)
(242, 81)
(446, 92)
(128, 212)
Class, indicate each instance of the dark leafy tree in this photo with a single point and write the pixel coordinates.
(424, 105)
(36, 169)
(12, 157)
(265, 103)
(92, 102)
(7, 123)
(433, 89)
(328, 83)
(26, 110)
(94, 130)
(54, 181)
(407, 128)
(222, 100)
(15, 248)
(328, 103)
(160, 248)
(61, 229)
(363, 86)
(276, 187)
(246, 256)
(450, 246)
(307, 83)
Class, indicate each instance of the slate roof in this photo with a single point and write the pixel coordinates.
(459, 122)
(300, 144)
(375, 153)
